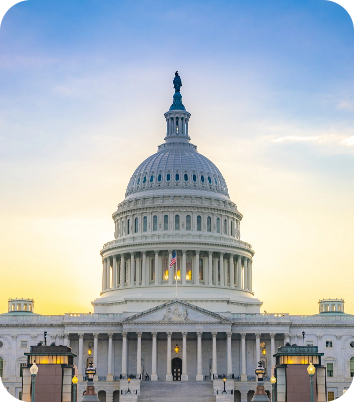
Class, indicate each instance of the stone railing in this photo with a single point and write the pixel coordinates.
(31, 317)
(176, 238)
(73, 317)
(266, 317)
(317, 319)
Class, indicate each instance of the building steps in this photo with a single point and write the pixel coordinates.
(176, 391)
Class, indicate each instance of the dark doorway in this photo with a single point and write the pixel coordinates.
(176, 369)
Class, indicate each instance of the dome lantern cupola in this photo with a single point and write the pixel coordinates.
(177, 117)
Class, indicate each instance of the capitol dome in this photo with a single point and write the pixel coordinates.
(177, 203)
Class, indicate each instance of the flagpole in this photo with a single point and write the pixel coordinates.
(176, 274)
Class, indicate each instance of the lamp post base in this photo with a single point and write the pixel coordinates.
(90, 395)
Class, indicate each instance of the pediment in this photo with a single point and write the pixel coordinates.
(177, 312)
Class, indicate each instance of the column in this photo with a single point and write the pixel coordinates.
(138, 354)
(286, 338)
(122, 271)
(80, 356)
(124, 354)
(272, 351)
(245, 273)
(169, 359)
(104, 276)
(250, 275)
(171, 271)
(258, 348)
(110, 356)
(108, 273)
(210, 268)
(243, 358)
(156, 267)
(114, 272)
(232, 271)
(239, 272)
(216, 276)
(215, 365)
(66, 339)
(143, 271)
(184, 376)
(222, 270)
(137, 269)
(183, 273)
(132, 268)
(95, 350)
(196, 271)
(229, 354)
(154, 350)
(199, 357)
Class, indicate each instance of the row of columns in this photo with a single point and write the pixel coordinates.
(239, 270)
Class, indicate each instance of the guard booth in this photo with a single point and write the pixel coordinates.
(53, 382)
(293, 380)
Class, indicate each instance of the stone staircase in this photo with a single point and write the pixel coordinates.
(176, 391)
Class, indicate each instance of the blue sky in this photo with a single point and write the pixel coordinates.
(83, 88)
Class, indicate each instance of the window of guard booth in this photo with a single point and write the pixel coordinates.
(330, 396)
(177, 222)
(189, 269)
(199, 223)
(165, 269)
(201, 269)
(299, 360)
(188, 222)
(208, 224)
(329, 369)
(152, 269)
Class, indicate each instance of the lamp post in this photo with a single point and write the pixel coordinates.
(128, 392)
(74, 380)
(33, 371)
(260, 394)
(224, 391)
(311, 370)
(273, 381)
(90, 394)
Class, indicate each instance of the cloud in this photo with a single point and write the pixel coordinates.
(295, 138)
(348, 141)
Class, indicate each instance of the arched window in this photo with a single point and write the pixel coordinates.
(199, 223)
(231, 230)
(144, 179)
(188, 222)
(159, 177)
(152, 269)
(136, 226)
(209, 179)
(189, 269)
(216, 182)
(177, 177)
(154, 223)
(352, 367)
(145, 224)
(202, 178)
(201, 269)
(1, 367)
(165, 222)
(208, 224)
(138, 181)
(218, 225)
(194, 177)
(225, 226)
(177, 222)
(165, 269)
(128, 227)
(151, 178)
(185, 177)
(168, 177)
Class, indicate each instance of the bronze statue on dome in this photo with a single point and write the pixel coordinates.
(177, 82)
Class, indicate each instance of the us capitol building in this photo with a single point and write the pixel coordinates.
(184, 343)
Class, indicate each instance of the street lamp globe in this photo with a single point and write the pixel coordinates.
(273, 380)
(75, 380)
(34, 369)
(311, 369)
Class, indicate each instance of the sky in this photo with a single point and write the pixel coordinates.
(84, 85)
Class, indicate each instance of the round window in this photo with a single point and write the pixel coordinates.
(352, 344)
(1, 344)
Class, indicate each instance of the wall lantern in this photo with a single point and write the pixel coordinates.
(176, 349)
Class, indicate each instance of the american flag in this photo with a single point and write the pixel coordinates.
(173, 261)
